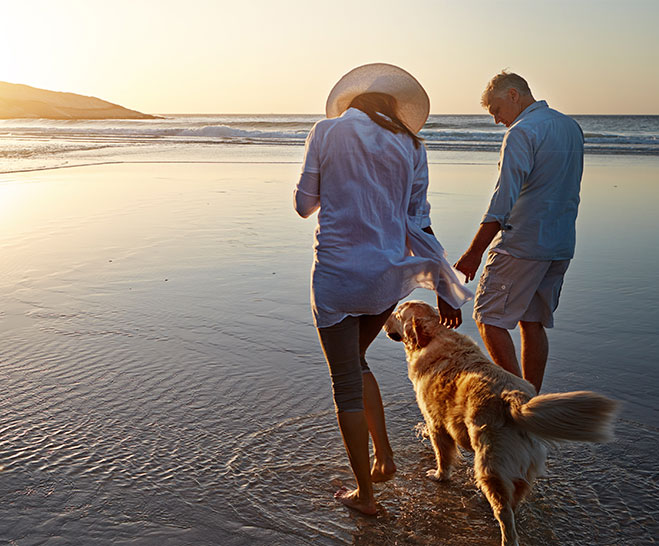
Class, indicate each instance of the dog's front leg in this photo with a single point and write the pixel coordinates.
(445, 453)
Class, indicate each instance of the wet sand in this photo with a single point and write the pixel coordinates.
(162, 381)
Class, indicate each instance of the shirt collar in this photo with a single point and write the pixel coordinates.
(352, 112)
(537, 105)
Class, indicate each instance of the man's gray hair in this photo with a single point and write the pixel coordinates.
(501, 83)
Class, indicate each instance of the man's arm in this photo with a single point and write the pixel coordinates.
(471, 259)
(514, 167)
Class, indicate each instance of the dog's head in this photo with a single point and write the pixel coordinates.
(415, 323)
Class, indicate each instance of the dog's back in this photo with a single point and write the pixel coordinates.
(455, 370)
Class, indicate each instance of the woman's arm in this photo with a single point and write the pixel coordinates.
(448, 316)
(306, 196)
(419, 208)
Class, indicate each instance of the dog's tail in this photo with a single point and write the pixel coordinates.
(580, 416)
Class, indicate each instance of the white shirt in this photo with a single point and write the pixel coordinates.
(536, 198)
(370, 251)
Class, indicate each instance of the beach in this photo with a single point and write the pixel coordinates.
(163, 382)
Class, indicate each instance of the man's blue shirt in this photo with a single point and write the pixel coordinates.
(537, 192)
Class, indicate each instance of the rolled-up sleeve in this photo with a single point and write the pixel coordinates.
(419, 208)
(306, 196)
(514, 167)
(311, 162)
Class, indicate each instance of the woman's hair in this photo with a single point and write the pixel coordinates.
(379, 105)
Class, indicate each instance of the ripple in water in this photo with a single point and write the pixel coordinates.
(139, 410)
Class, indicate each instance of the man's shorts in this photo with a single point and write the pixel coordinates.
(513, 290)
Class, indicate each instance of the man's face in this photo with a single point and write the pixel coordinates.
(505, 108)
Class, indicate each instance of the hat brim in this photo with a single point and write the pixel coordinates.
(413, 101)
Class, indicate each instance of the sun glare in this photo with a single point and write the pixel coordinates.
(166, 56)
(12, 197)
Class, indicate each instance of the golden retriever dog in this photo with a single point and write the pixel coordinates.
(467, 400)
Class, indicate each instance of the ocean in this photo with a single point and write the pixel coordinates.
(161, 382)
(38, 144)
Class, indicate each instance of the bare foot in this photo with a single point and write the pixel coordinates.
(383, 471)
(351, 500)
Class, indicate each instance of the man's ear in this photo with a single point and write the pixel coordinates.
(416, 333)
(514, 95)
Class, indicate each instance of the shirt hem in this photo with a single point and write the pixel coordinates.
(542, 258)
(345, 315)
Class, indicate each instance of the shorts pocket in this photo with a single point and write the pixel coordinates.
(492, 296)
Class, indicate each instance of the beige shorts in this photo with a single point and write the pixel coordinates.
(511, 290)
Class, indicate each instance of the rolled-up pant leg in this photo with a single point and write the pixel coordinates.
(340, 344)
(344, 345)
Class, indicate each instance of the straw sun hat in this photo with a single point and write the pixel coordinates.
(413, 102)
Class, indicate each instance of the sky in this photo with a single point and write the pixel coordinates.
(284, 56)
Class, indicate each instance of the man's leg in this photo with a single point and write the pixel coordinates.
(535, 349)
(513, 291)
(500, 346)
(538, 316)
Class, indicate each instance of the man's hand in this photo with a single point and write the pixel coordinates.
(470, 261)
(468, 264)
(449, 317)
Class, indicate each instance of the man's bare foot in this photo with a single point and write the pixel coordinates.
(351, 500)
(383, 471)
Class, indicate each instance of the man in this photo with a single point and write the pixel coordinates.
(530, 223)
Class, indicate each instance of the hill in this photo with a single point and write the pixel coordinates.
(23, 101)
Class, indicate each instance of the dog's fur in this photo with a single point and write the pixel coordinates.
(469, 401)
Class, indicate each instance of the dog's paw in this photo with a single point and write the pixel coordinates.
(437, 476)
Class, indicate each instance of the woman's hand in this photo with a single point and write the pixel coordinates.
(449, 317)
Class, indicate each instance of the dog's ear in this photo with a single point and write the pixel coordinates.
(417, 334)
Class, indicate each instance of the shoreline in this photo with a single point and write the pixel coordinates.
(487, 157)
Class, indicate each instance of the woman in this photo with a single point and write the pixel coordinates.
(366, 171)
